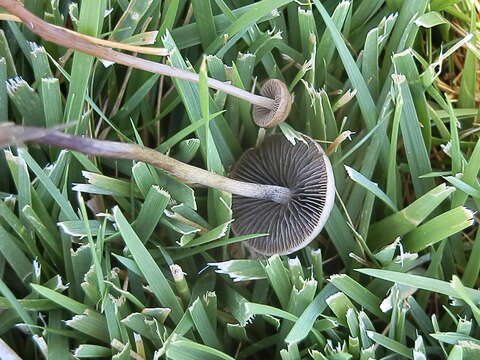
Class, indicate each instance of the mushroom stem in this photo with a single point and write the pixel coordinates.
(63, 37)
(13, 134)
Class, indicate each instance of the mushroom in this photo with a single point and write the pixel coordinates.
(281, 189)
(306, 171)
(269, 110)
(269, 117)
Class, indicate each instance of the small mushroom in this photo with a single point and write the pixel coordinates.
(306, 171)
(274, 104)
(278, 92)
(281, 189)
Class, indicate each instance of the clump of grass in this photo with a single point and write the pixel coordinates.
(113, 258)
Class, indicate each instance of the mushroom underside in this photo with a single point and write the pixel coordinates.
(278, 91)
(306, 171)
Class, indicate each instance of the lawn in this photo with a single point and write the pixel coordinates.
(111, 246)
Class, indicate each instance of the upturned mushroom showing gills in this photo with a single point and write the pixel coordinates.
(270, 109)
(282, 104)
(283, 190)
(306, 171)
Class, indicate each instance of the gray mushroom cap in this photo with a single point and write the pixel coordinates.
(306, 171)
(278, 91)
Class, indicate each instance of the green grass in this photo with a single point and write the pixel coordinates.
(105, 258)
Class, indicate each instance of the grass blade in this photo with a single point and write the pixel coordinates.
(154, 276)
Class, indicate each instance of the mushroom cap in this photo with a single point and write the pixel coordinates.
(306, 171)
(278, 91)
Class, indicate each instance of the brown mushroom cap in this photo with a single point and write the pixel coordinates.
(303, 168)
(278, 91)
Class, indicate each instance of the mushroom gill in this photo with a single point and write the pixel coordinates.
(306, 171)
(278, 92)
